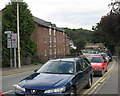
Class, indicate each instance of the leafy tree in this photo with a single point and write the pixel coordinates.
(9, 23)
(80, 44)
(108, 30)
(80, 37)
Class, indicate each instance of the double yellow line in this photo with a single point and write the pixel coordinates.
(7, 75)
(101, 80)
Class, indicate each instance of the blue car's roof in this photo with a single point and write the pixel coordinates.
(66, 59)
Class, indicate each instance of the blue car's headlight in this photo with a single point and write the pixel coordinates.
(20, 88)
(58, 90)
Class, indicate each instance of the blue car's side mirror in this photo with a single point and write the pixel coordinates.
(35, 70)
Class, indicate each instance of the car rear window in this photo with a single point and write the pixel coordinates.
(95, 59)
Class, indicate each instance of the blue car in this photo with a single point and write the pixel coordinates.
(58, 77)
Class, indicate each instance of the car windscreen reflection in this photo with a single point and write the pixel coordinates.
(57, 67)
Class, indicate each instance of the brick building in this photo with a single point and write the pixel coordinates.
(51, 41)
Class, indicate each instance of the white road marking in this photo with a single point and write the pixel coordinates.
(8, 92)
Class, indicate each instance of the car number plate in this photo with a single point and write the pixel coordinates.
(97, 68)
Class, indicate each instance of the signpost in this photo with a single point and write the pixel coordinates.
(12, 40)
(12, 43)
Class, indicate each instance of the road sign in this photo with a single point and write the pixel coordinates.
(9, 43)
(12, 40)
(8, 32)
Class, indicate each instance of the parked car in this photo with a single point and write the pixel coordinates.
(63, 77)
(109, 54)
(106, 57)
(99, 64)
(1, 94)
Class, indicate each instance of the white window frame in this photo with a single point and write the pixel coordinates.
(54, 41)
(50, 31)
(55, 51)
(50, 41)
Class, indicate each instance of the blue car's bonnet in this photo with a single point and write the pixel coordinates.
(44, 81)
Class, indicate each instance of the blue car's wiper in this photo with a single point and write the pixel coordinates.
(65, 73)
(55, 73)
(47, 72)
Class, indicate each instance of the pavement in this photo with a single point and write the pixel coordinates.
(24, 68)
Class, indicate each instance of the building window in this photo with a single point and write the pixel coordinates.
(45, 52)
(68, 51)
(50, 31)
(63, 39)
(45, 41)
(54, 32)
(61, 50)
(50, 52)
(58, 50)
(50, 42)
(54, 42)
(55, 51)
(64, 49)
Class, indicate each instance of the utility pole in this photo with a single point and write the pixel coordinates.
(18, 36)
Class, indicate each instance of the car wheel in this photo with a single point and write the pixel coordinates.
(106, 70)
(72, 92)
(102, 72)
(89, 82)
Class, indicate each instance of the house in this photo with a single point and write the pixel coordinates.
(52, 42)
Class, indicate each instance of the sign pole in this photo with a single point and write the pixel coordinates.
(15, 58)
(9, 45)
(11, 65)
(11, 58)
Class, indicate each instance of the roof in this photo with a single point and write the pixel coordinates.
(68, 59)
(98, 55)
(42, 22)
(46, 24)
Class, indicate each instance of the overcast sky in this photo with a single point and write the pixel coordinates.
(68, 13)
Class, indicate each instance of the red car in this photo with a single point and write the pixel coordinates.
(99, 64)
(1, 94)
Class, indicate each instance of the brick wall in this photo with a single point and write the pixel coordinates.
(50, 42)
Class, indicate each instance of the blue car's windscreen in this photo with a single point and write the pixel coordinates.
(57, 67)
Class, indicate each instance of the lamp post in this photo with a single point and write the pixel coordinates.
(18, 36)
(18, 33)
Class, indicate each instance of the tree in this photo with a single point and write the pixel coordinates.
(9, 23)
(80, 37)
(108, 29)
(80, 44)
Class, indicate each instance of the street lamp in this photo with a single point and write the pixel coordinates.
(18, 33)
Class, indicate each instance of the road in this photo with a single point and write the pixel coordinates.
(108, 84)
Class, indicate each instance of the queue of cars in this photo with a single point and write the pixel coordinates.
(63, 77)
(99, 62)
